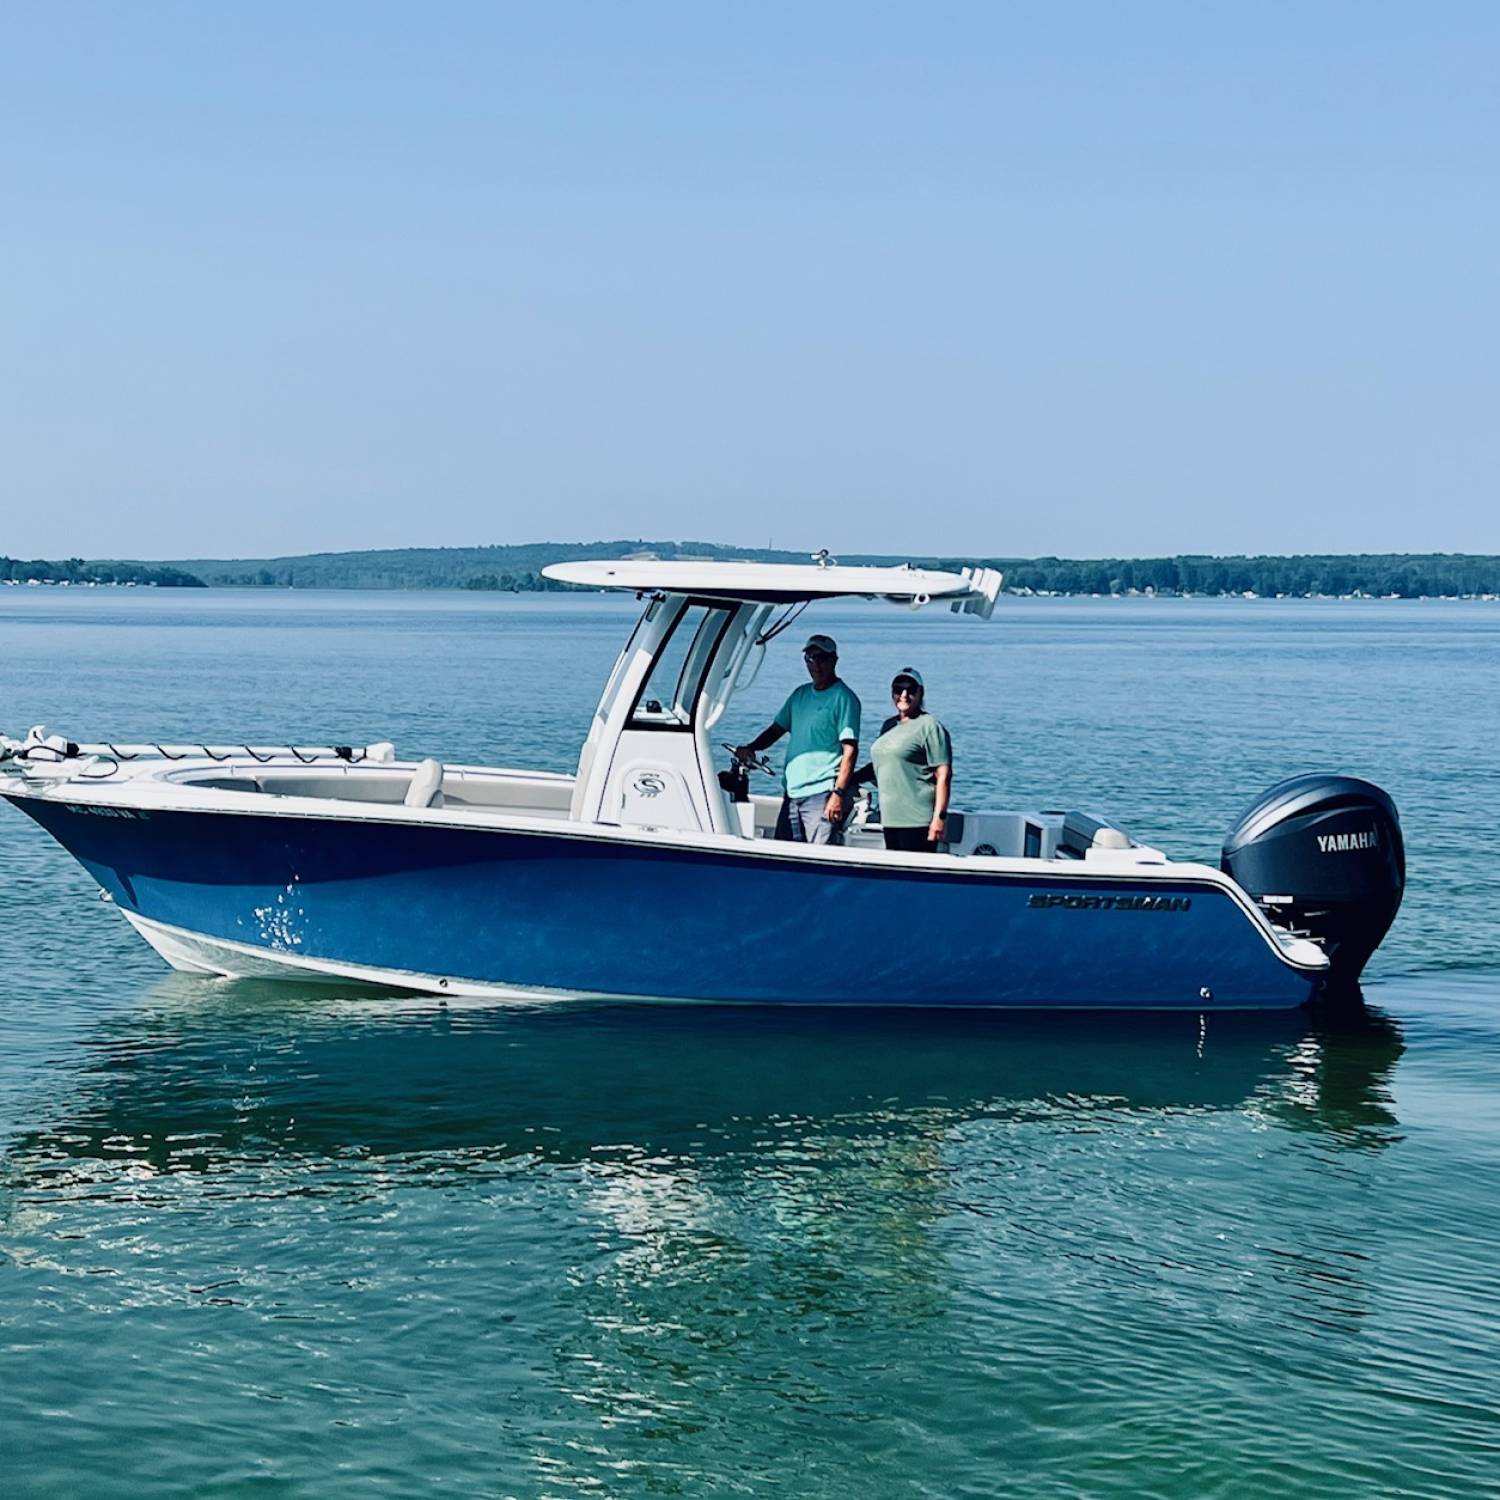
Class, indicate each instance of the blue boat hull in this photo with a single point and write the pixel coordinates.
(553, 913)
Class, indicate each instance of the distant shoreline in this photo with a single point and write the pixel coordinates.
(1137, 595)
(518, 569)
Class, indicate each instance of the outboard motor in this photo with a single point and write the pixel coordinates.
(1323, 855)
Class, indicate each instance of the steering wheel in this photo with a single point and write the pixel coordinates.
(760, 763)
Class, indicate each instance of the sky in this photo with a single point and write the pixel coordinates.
(1022, 279)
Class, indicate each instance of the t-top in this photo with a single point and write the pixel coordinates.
(818, 723)
(906, 756)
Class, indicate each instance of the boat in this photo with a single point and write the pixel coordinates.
(652, 873)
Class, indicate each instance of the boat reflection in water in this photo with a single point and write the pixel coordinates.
(643, 1233)
(200, 1077)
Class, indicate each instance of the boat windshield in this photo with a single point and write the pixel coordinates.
(672, 687)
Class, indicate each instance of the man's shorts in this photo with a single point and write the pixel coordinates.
(802, 821)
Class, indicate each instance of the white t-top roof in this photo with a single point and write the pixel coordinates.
(973, 588)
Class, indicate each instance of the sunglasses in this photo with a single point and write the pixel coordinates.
(816, 656)
(905, 691)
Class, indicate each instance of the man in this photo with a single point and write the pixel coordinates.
(822, 718)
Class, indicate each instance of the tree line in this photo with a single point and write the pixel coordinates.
(1403, 576)
(513, 568)
(76, 570)
(518, 569)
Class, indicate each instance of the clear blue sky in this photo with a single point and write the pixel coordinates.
(1074, 278)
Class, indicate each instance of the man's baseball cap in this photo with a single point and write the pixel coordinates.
(823, 643)
(909, 674)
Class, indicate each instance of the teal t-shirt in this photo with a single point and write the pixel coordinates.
(817, 724)
(906, 756)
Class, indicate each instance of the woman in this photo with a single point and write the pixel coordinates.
(912, 764)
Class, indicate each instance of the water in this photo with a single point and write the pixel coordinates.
(266, 1240)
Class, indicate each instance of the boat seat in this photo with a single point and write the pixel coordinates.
(1080, 833)
(860, 811)
(426, 789)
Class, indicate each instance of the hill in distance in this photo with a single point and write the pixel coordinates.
(519, 568)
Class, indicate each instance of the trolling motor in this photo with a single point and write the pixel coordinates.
(1322, 854)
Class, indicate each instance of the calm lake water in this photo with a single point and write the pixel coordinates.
(264, 1240)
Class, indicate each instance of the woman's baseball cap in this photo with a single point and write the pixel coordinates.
(909, 674)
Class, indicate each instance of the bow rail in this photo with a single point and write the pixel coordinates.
(41, 748)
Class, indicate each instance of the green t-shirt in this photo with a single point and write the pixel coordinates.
(906, 758)
(818, 724)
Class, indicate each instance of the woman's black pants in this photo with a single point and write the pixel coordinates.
(911, 840)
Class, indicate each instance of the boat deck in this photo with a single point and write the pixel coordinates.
(549, 795)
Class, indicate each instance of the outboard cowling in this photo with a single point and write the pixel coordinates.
(1323, 855)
